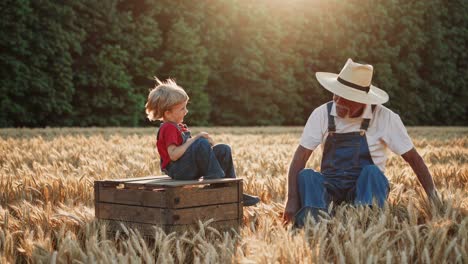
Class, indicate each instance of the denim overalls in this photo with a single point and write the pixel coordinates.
(348, 173)
(200, 159)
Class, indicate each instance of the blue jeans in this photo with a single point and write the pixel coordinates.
(314, 191)
(200, 159)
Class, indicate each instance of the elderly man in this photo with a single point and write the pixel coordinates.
(355, 131)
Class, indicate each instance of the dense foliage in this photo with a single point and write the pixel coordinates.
(91, 63)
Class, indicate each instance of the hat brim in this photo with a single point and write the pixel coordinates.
(330, 82)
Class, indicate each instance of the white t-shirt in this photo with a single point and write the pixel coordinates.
(385, 130)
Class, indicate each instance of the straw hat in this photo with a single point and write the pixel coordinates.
(353, 83)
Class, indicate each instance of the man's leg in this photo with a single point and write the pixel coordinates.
(311, 189)
(371, 184)
(224, 156)
(313, 196)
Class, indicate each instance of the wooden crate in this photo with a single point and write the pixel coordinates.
(142, 203)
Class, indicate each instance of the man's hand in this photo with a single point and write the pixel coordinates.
(288, 217)
(290, 210)
(435, 199)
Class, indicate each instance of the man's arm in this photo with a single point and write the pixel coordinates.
(301, 156)
(422, 172)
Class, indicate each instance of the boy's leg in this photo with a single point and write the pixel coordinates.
(184, 168)
(206, 160)
(198, 160)
(224, 156)
(371, 184)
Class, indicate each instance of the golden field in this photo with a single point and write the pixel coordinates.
(47, 203)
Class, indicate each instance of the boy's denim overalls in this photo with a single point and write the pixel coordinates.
(200, 159)
(348, 174)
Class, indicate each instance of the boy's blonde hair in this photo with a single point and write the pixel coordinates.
(163, 97)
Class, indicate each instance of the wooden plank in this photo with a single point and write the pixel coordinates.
(141, 180)
(133, 179)
(150, 180)
(219, 212)
(240, 203)
(124, 182)
(194, 182)
(96, 199)
(182, 216)
(221, 226)
(148, 230)
(136, 182)
(164, 181)
(133, 197)
(192, 197)
(137, 214)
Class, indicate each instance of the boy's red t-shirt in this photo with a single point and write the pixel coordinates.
(169, 134)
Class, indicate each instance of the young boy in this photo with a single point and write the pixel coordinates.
(184, 157)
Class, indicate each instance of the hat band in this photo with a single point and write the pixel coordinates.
(353, 85)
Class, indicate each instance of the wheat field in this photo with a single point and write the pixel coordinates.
(47, 203)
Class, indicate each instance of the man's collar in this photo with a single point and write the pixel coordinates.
(366, 114)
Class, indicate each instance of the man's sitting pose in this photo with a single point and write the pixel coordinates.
(355, 131)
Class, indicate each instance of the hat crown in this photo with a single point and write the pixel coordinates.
(356, 73)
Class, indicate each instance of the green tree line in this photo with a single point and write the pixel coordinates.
(242, 62)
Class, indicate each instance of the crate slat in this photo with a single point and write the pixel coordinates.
(148, 230)
(175, 183)
(96, 198)
(193, 197)
(162, 216)
(169, 197)
(132, 197)
(121, 212)
(166, 181)
(135, 179)
(219, 212)
(240, 192)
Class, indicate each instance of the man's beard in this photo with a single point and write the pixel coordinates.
(342, 111)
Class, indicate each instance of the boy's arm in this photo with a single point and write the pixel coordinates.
(175, 152)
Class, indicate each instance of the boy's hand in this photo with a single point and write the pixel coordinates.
(207, 136)
(211, 141)
(203, 134)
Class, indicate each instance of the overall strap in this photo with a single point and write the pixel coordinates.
(174, 124)
(366, 121)
(331, 119)
(159, 129)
